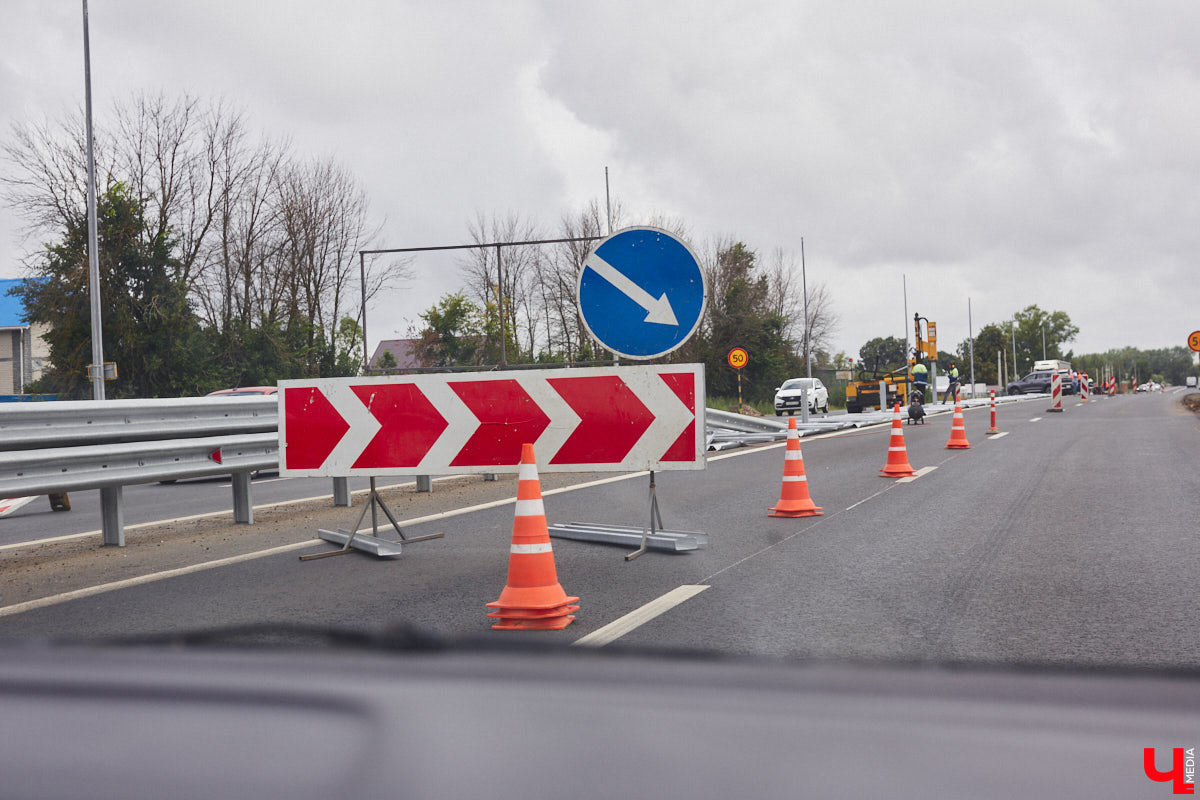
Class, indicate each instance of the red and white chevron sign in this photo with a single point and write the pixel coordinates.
(579, 420)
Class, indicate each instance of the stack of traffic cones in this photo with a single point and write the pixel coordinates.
(532, 599)
(794, 500)
(897, 465)
(958, 431)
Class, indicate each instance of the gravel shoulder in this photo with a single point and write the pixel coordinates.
(44, 570)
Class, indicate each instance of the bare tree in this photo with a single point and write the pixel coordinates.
(45, 172)
(507, 274)
(787, 300)
(260, 238)
(558, 281)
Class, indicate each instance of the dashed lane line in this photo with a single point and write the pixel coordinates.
(921, 473)
(91, 591)
(640, 616)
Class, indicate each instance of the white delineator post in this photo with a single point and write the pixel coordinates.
(993, 428)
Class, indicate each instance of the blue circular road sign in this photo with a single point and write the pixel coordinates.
(641, 293)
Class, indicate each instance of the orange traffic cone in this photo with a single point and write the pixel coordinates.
(897, 465)
(958, 431)
(794, 500)
(532, 599)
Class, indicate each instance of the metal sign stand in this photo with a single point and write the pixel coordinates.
(362, 541)
(653, 537)
(655, 516)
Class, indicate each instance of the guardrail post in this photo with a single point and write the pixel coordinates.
(112, 516)
(424, 483)
(341, 492)
(490, 476)
(243, 510)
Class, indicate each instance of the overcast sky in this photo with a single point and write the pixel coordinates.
(1014, 153)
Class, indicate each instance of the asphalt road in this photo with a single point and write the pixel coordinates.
(1069, 539)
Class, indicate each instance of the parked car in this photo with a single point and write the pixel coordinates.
(1039, 381)
(787, 396)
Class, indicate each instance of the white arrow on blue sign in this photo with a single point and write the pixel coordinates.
(641, 293)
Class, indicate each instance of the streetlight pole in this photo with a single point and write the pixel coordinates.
(804, 287)
(97, 369)
(1043, 341)
(1012, 329)
(971, 343)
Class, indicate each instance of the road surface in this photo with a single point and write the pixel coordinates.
(1070, 538)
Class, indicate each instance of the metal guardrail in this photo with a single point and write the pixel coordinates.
(69, 469)
(107, 445)
(75, 422)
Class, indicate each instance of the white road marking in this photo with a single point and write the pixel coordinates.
(865, 499)
(1036, 419)
(1000, 435)
(259, 482)
(921, 473)
(91, 591)
(638, 617)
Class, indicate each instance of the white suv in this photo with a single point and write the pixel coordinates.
(787, 397)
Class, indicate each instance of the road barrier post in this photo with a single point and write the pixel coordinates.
(341, 492)
(993, 428)
(243, 509)
(112, 516)
(1056, 392)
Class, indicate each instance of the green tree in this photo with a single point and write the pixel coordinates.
(387, 361)
(1169, 365)
(348, 344)
(148, 327)
(882, 354)
(1031, 324)
(740, 314)
(454, 332)
(991, 340)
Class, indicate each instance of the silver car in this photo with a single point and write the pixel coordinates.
(787, 396)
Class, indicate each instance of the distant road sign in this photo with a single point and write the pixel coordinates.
(641, 293)
(738, 358)
(1194, 341)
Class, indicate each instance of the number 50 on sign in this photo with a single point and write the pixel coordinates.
(738, 358)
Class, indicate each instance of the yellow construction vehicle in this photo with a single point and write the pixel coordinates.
(864, 392)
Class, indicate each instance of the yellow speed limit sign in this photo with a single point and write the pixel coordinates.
(1193, 342)
(738, 358)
